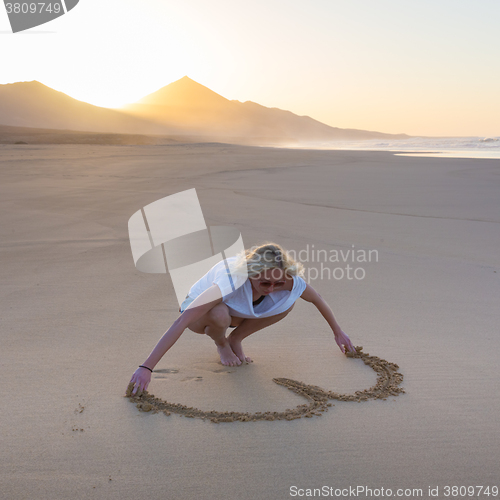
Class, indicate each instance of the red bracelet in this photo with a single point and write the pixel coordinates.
(142, 366)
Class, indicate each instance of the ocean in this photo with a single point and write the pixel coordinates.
(439, 147)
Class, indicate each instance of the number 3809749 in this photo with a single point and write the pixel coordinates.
(33, 8)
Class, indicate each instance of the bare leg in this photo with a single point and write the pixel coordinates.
(214, 324)
(246, 328)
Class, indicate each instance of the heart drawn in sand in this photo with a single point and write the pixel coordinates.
(388, 384)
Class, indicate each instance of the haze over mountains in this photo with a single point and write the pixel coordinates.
(183, 109)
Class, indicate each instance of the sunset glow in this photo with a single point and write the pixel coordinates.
(426, 68)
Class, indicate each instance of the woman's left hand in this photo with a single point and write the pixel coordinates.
(343, 340)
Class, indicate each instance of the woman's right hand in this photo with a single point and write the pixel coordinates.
(139, 382)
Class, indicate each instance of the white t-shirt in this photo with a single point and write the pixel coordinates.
(239, 298)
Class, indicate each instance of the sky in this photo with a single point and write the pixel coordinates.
(421, 67)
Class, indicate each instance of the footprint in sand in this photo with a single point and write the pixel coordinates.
(173, 371)
(213, 368)
(165, 371)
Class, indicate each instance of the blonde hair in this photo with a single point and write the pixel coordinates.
(269, 255)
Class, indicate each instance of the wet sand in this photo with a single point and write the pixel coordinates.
(78, 318)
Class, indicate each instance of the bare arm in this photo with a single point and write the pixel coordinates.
(200, 306)
(311, 295)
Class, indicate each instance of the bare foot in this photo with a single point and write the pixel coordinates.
(238, 350)
(227, 356)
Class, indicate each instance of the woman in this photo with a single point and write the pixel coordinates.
(268, 283)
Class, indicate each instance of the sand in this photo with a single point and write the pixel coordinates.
(388, 381)
(78, 318)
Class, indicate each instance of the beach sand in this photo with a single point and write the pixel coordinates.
(78, 318)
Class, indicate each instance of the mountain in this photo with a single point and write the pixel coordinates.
(185, 93)
(198, 110)
(182, 108)
(32, 104)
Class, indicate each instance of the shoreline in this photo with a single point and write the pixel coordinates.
(437, 147)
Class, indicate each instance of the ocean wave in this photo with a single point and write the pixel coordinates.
(456, 146)
(421, 143)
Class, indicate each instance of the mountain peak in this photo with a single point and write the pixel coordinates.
(31, 89)
(26, 84)
(184, 92)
